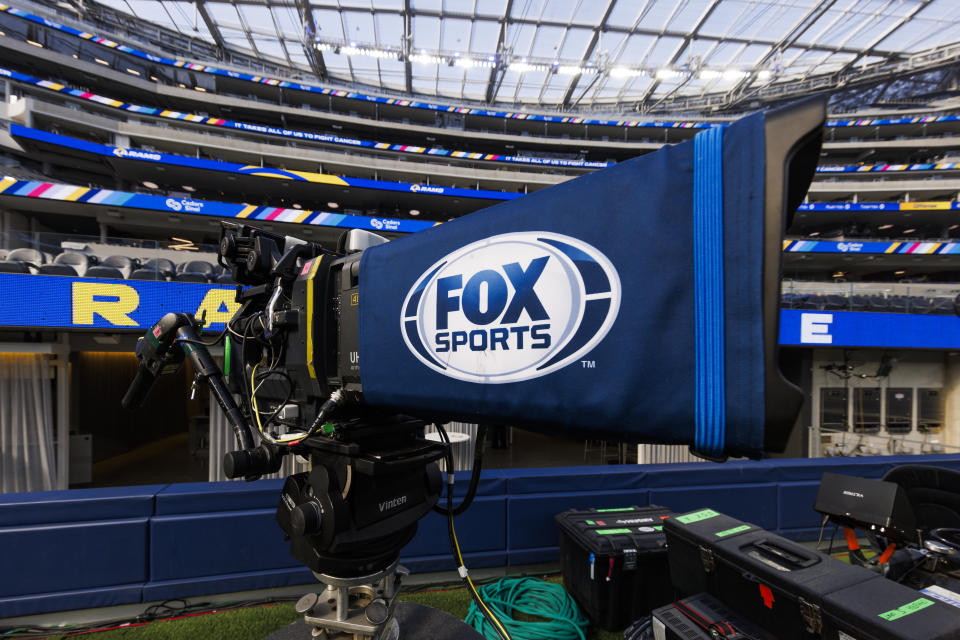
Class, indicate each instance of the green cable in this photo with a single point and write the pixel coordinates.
(562, 619)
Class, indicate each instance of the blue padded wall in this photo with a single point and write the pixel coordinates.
(64, 550)
(70, 549)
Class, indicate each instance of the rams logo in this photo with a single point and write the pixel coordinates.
(512, 307)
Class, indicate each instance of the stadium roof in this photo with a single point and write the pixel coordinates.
(583, 54)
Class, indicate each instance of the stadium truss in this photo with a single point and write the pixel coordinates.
(583, 55)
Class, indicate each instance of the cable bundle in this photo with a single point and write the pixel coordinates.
(531, 596)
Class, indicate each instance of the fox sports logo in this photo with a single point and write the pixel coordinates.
(512, 307)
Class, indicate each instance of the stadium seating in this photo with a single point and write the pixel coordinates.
(24, 254)
(55, 269)
(80, 262)
(124, 264)
(12, 266)
(162, 265)
(101, 271)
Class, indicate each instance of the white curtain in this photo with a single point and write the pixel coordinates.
(26, 424)
(665, 453)
(223, 440)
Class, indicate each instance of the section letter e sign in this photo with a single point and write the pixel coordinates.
(815, 328)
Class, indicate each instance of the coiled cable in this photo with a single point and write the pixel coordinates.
(562, 619)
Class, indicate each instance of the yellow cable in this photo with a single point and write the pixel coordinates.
(256, 412)
(473, 589)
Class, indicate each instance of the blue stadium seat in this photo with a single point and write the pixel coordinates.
(12, 266)
(125, 264)
(942, 306)
(163, 265)
(100, 271)
(25, 254)
(898, 304)
(878, 303)
(79, 261)
(196, 266)
(859, 303)
(57, 270)
(146, 274)
(835, 302)
(919, 305)
(225, 278)
(190, 277)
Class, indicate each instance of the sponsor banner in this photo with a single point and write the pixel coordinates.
(861, 329)
(849, 246)
(874, 168)
(873, 122)
(925, 206)
(414, 104)
(295, 134)
(878, 206)
(87, 303)
(19, 131)
(73, 193)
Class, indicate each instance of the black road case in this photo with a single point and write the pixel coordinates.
(774, 582)
(702, 617)
(882, 609)
(614, 562)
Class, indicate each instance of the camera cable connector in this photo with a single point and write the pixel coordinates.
(485, 610)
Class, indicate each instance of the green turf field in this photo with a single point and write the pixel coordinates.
(255, 623)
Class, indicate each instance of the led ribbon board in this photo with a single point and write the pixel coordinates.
(73, 193)
(242, 169)
(87, 303)
(293, 133)
(59, 302)
(863, 329)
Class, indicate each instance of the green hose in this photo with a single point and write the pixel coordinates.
(562, 619)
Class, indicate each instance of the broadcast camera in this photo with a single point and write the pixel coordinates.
(530, 313)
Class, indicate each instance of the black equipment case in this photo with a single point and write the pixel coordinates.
(776, 583)
(702, 617)
(614, 562)
(882, 609)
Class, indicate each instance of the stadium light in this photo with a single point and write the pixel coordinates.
(624, 72)
(426, 58)
(521, 67)
(332, 205)
(667, 74)
(414, 212)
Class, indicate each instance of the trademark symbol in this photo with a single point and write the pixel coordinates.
(589, 364)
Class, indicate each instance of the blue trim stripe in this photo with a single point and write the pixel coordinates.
(708, 290)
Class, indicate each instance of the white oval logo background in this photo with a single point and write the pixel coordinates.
(555, 281)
